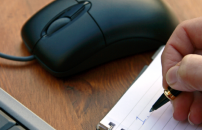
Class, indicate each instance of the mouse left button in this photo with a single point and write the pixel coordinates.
(57, 24)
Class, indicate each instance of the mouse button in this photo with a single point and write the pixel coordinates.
(59, 23)
(32, 30)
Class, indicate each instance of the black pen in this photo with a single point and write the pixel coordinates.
(168, 95)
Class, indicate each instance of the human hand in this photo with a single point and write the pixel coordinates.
(182, 70)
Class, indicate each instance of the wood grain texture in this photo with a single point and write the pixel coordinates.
(78, 102)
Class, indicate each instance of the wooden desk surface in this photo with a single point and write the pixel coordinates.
(79, 102)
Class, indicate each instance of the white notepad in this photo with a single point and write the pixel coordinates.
(131, 112)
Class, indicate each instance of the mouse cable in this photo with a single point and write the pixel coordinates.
(9, 57)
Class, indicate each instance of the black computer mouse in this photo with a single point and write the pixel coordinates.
(69, 36)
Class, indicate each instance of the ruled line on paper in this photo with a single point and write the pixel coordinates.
(165, 121)
(142, 109)
(164, 117)
(129, 119)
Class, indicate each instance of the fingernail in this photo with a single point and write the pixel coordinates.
(171, 76)
(189, 120)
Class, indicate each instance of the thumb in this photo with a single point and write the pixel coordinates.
(187, 74)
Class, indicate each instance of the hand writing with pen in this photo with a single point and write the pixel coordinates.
(182, 70)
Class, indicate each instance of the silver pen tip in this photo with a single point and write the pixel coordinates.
(151, 110)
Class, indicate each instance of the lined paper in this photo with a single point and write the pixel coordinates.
(132, 111)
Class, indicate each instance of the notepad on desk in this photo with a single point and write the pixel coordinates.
(131, 112)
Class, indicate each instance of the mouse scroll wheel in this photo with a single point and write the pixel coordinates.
(57, 24)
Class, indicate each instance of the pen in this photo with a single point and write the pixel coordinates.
(168, 95)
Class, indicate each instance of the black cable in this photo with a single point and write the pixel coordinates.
(27, 58)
